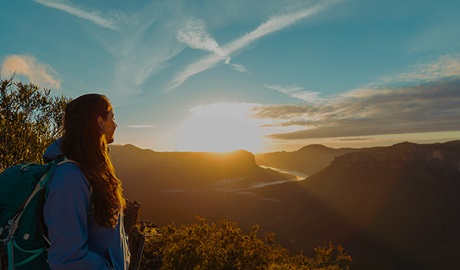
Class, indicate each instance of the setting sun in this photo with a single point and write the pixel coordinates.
(219, 127)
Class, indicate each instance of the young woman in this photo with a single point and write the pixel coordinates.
(84, 208)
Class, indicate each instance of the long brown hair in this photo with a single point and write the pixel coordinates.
(84, 142)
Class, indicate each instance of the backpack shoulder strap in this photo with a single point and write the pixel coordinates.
(56, 162)
(61, 160)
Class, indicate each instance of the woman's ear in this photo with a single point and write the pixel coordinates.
(99, 121)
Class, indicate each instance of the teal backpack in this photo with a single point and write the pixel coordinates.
(23, 189)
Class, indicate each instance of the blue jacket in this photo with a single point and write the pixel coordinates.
(77, 241)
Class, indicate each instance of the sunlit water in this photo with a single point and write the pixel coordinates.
(298, 176)
(221, 185)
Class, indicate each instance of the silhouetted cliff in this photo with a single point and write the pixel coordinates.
(176, 186)
(308, 160)
(392, 207)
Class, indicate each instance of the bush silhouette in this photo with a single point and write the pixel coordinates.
(222, 245)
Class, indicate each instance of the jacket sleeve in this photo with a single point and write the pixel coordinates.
(66, 216)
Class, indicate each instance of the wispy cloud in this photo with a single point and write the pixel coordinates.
(423, 99)
(442, 67)
(140, 126)
(144, 47)
(272, 25)
(355, 139)
(238, 67)
(195, 35)
(296, 92)
(427, 107)
(28, 66)
(148, 39)
(90, 15)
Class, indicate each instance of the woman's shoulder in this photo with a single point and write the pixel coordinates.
(69, 167)
(69, 174)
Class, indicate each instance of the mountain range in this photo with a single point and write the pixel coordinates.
(307, 160)
(393, 207)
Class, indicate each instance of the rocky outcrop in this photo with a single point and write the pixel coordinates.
(438, 157)
(401, 203)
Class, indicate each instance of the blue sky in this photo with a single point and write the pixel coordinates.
(259, 75)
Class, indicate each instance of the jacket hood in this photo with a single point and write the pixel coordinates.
(53, 151)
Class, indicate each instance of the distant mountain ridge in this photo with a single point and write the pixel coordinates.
(199, 169)
(308, 159)
(176, 186)
(393, 207)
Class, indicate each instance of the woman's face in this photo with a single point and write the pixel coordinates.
(108, 126)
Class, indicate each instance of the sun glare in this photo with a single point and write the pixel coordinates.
(220, 127)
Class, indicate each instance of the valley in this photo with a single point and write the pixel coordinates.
(396, 207)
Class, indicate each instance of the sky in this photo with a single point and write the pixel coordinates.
(260, 75)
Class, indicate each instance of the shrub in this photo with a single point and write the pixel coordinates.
(222, 245)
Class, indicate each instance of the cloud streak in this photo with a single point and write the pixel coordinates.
(295, 91)
(272, 25)
(92, 16)
(140, 126)
(426, 107)
(443, 67)
(28, 66)
(144, 47)
(195, 35)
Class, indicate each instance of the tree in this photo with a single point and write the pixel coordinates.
(30, 120)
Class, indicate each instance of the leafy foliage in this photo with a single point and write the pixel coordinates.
(222, 245)
(30, 119)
